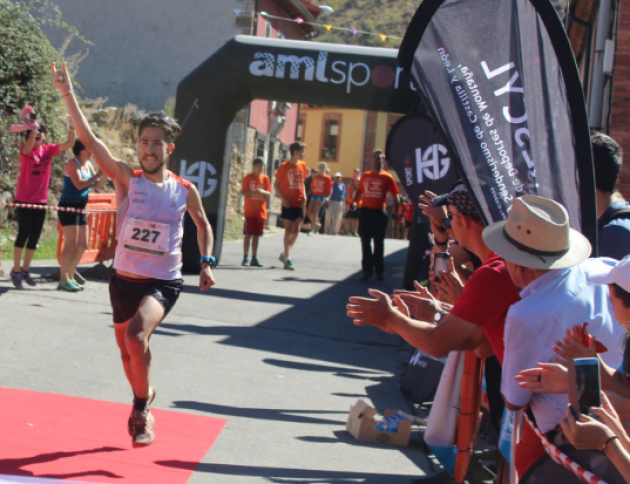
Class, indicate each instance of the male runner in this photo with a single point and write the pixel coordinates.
(151, 206)
(290, 188)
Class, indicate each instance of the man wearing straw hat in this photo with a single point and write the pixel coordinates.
(549, 261)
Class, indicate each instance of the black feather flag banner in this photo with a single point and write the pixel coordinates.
(500, 80)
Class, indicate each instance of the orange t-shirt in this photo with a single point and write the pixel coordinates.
(374, 188)
(321, 185)
(292, 176)
(255, 205)
(351, 193)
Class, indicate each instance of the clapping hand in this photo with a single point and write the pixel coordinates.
(375, 312)
(449, 284)
(572, 346)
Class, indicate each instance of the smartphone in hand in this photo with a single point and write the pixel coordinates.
(440, 263)
(584, 385)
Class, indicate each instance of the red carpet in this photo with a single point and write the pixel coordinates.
(77, 439)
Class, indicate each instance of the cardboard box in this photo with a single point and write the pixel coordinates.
(361, 422)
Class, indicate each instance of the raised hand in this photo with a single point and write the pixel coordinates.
(61, 78)
(436, 214)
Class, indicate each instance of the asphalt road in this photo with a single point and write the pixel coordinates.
(270, 350)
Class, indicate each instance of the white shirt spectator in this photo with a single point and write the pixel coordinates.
(549, 306)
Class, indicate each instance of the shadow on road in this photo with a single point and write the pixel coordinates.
(291, 476)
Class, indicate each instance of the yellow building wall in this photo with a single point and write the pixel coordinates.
(381, 131)
(352, 128)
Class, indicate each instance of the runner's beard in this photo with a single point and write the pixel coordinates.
(155, 170)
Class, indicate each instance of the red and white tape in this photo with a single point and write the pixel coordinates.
(564, 460)
(57, 209)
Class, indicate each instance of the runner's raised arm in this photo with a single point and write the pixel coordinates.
(116, 170)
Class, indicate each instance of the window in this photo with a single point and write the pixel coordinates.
(260, 149)
(300, 131)
(331, 133)
(284, 154)
(280, 35)
(267, 28)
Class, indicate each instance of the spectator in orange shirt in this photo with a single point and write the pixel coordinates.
(256, 189)
(352, 215)
(372, 191)
(321, 188)
(290, 188)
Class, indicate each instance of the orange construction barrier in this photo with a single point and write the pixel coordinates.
(101, 229)
(469, 416)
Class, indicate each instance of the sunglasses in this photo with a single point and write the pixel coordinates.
(447, 222)
(160, 116)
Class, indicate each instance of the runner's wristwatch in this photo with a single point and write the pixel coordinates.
(209, 259)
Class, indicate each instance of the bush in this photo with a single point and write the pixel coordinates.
(25, 59)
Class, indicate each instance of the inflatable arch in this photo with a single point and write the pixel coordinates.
(248, 68)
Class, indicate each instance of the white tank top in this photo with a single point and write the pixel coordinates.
(149, 227)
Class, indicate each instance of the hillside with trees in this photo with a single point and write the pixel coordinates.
(389, 17)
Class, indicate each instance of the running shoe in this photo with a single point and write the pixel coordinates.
(16, 279)
(282, 258)
(150, 398)
(288, 265)
(25, 276)
(76, 284)
(255, 262)
(79, 278)
(245, 261)
(356, 234)
(67, 287)
(142, 428)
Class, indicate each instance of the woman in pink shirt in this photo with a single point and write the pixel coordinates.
(32, 187)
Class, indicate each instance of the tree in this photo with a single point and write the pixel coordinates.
(25, 59)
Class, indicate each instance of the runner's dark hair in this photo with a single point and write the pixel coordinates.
(161, 120)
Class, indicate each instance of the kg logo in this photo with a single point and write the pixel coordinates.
(200, 174)
(433, 163)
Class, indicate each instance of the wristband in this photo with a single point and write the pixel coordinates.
(71, 91)
(437, 242)
(613, 437)
(208, 259)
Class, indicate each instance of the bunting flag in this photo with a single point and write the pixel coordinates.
(299, 20)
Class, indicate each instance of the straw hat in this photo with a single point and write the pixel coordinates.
(537, 234)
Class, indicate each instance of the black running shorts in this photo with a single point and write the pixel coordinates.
(72, 218)
(126, 295)
(292, 214)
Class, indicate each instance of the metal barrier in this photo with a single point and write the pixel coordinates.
(101, 229)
